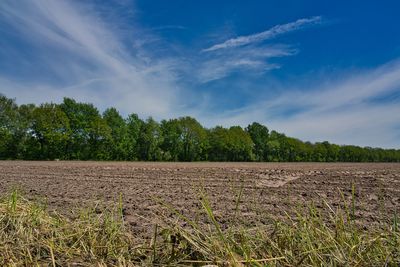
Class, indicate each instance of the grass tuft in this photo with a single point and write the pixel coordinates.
(30, 235)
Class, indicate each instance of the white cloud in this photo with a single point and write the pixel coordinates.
(88, 60)
(365, 125)
(265, 35)
(170, 27)
(233, 56)
(342, 112)
(249, 59)
(215, 69)
(85, 56)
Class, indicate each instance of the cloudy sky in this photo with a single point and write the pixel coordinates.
(316, 70)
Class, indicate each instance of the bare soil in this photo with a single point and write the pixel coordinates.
(269, 189)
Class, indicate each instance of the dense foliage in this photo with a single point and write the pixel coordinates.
(73, 130)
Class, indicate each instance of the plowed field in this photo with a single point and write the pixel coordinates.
(269, 189)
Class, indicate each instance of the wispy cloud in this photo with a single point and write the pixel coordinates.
(78, 52)
(85, 57)
(254, 59)
(342, 111)
(170, 27)
(265, 35)
(248, 53)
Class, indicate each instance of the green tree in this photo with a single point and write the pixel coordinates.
(184, 139)
(8, 126)
(25, 143)
(320, 152)
(260, 135)
(296, 150)
(150, 138)
(233, 144)
(275, 146)
(172, 143)
(89, 132)
(51, 129)
(99, 139)
(74, 130)
(134, 126)
(332, 152)
(119, 141)
(194, 139)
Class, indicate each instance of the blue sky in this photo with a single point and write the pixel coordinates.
(316, 70)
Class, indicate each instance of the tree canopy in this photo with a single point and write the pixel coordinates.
(78, 131)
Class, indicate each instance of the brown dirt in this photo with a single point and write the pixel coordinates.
(269, 189)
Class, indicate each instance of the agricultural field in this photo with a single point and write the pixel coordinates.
(246, 193)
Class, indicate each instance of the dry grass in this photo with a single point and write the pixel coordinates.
(30, 235)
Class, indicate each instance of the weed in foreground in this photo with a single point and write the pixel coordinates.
(30, 236)
(314, 237)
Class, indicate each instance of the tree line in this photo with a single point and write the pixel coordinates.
(78, 131)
